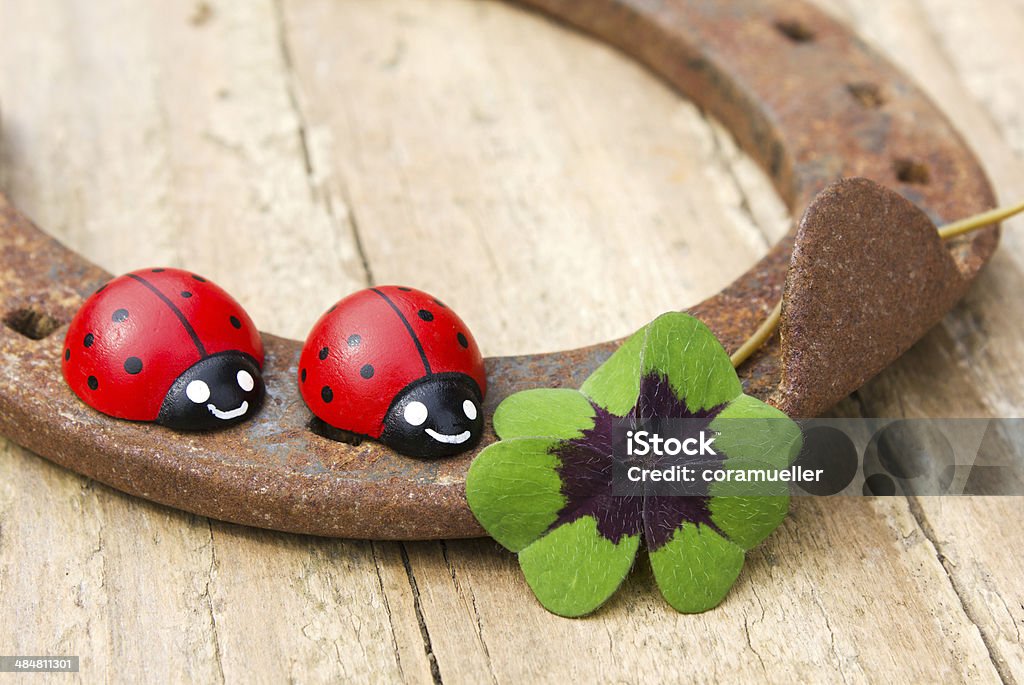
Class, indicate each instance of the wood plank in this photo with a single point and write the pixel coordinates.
(846, 589)
(140, 136)
(970, 365)
(554, 193)
(87, 571)
(482, 620)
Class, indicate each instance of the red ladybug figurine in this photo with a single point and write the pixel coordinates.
(397, 365)
(165, 345)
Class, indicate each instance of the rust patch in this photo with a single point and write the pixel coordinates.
(869, 275)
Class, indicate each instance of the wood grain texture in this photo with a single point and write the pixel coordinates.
(555, 194)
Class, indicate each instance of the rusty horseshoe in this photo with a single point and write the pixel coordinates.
(747, 63)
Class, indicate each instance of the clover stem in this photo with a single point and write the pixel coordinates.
(973, 223)
(759, 338)
(767, 328)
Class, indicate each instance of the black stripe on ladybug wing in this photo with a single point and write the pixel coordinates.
(408, 327)
(177, 312)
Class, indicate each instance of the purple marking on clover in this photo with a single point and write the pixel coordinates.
(586, 466)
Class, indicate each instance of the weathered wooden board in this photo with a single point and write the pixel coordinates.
(136, 132)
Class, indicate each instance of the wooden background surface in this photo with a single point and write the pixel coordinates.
(554, 194)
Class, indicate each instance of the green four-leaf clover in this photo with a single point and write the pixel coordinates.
(545, 490)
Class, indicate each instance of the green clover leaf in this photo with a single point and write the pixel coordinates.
(545, 490)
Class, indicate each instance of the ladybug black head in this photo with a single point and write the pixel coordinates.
(215, 392)
(437, 416)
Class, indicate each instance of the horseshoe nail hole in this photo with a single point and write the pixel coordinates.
(795, 30)
(31, 323)
(867, 94)
(910, 171)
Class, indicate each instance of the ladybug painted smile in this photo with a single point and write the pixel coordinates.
(169, 346)
(443, 407)
(397, 365)
(220, 389)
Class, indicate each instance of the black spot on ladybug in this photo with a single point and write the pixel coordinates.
(303, 375)
(156, 271)
(354, 340)
(326, 394)
(186, 294)
(235, 322)
(461, 337)
(404, 290)
(67, 354)
(367, 371)
(133, 365)
(333, 307)
(100, 288)
(440, 304)
(120, 315)
(199, 278)
(425, 315)
(89, 339)
(93, 383)
(323, 353)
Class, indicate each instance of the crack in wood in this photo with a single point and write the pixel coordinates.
(463, 592)
(428, 648)
(307, 153)
(925, 529)
(209, 604)
(959, 590)
(387, 607)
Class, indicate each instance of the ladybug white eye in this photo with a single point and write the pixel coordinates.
(415, 413)
(245, 381)
(197, 391)
(470, 409)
